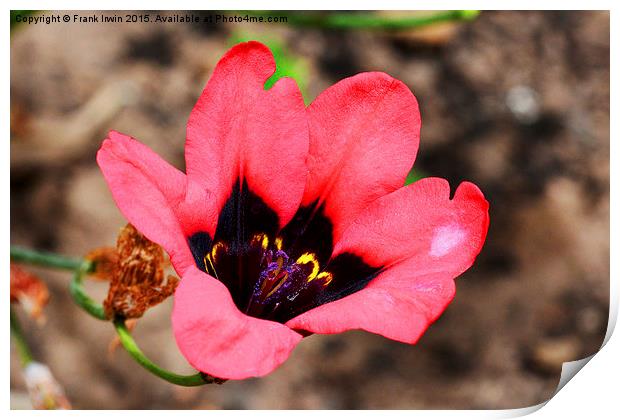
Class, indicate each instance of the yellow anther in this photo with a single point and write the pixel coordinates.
(207, 259)
(262, 239)
(278, 242)
(216, 250)
(211, 258)
(306, 258)
(327, 277)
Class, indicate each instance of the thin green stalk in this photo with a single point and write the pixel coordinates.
(46, 259)
(81, 298)
(25, 356)
(79, 266)
(84, 301)
(132, 348)
(367, 20)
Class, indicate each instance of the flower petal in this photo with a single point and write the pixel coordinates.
(364, 135)
(420, 221)
(146, 189)
(216, 338)
(398, 313)
(238, 131)
(423, 240)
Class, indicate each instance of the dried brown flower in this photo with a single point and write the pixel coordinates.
(138, 281)
(29, 291)
(105, 260)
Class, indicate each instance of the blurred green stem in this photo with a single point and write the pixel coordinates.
(132, 348)
(79, 295)
(81, 298)
(80, 267)
(368, 20)
(25, 356)
(46, 259)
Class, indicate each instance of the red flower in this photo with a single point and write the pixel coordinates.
(293, 220)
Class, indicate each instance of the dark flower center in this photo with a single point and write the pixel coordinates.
(281, 279)
(277, 274)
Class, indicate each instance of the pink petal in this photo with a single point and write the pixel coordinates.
(364, 135)
(420, 221)
(216, 338)
(238, 130)
(399, 313)
(424, 240)
(147, 190)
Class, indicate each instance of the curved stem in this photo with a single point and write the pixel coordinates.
(132, 348)
(46, 259)
(368, 20)
(81, 298)
(25, 356)
(81, 267)
(84, 301)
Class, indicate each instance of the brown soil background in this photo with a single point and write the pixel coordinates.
(517, 102)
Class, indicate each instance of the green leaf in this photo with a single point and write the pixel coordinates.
(414, 175)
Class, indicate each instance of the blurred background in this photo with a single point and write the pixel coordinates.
(517, 102)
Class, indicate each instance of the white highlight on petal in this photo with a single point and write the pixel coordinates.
(445, 239)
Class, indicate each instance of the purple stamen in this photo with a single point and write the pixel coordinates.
(281, 278)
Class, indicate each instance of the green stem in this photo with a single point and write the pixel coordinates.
(79, 266)
(368, 20)
(25, 356)
(132, 348)
(84, 301)
(81, 298)
(46, 259)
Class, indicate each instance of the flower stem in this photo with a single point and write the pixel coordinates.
(132, 348)
(79, 295)
(369, 20)
(79, 266)
(84, 301)
(46, 259)
(25, 356)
